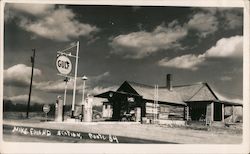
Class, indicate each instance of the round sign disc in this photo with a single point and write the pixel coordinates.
(46, 108)
(63, 65)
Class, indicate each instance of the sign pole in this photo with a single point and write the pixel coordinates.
(46, 109)
(74, 91)
(65, 91)
(65, 95)
(46, 117)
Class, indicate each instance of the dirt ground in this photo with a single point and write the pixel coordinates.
(175, 134)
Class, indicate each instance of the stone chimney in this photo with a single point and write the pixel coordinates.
(169, 82)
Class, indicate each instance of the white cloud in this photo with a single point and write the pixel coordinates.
(19, 75)
(24, 99)
(59, 25)
(34, 9)
(208, 20)
(58, 86)
(230, 17)
(141, 44)
(98, 90)
(227, 47)
(56, 23)
(188, 61)
(211, 10)
(205, 23)
(99, 77)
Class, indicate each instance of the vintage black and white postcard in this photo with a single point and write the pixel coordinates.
(125, 77)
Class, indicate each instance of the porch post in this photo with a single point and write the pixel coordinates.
(222, 112)
(212, 111)
(233, 114)
(187, 112)
(184, 113)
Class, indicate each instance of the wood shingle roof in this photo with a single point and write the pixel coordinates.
(164, 95)
(196, 92)
(180, 95)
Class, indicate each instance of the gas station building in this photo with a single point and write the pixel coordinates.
(169, 104)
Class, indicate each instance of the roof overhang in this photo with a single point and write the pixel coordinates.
(170, 103)
(231, 103)
(110, 94)
(105, 94)
(217, 101)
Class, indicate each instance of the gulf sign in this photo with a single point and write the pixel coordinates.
(63, 64)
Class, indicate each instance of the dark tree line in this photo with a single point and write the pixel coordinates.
(9, 106)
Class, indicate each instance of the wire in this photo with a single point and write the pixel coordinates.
(68, 48)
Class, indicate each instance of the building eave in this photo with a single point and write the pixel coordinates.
(217, 101)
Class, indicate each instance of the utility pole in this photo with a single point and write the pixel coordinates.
(32, 58)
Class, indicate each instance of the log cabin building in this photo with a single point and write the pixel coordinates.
(168, 104)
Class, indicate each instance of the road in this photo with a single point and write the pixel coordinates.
(128, 133)
(30, 134)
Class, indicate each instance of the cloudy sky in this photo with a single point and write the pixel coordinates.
(118, 43)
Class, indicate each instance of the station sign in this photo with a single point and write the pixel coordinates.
(63, 65)
(131, 99)
(46, 108)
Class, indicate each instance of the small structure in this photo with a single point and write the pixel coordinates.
(107, 110)
(88, 109)
(203, 103)
(59, 109)
(175, 104)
